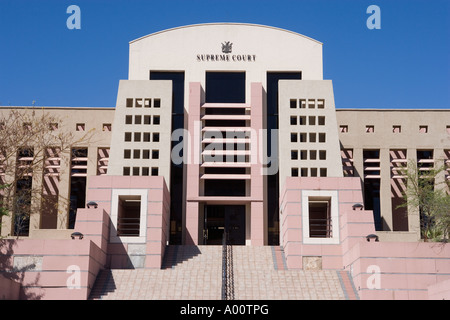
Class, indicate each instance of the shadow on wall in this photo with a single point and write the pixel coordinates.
(14, 269)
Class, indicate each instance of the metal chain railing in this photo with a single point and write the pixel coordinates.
(227, 270)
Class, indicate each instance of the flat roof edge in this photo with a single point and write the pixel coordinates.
(225, 23)
(56, 108)
(393, 109)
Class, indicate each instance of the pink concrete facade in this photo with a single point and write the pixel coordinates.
(380, 270)
(52, 269)
(194, 197)
(353, 225)
(66, 269)
(151, 250)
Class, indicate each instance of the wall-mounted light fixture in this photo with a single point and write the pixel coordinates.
(92, 204)
(371, 237)
(357, 206)
(78, 235)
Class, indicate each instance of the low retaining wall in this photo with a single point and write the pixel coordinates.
(400, 270)
(51, 269)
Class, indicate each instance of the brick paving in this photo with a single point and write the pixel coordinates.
(195, 273)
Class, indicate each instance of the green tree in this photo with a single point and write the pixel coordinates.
(430, 195)
(26, 136)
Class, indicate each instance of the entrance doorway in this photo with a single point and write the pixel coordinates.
(224, 218)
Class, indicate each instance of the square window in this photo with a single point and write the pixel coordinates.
(137, 136)
(293, 137)
(323, 172)
(155, 136)
(302, 137)
(136, 154)
(294, 155)
(312, 121)
(313, 172)
(129, 103)
(302, 120)
(312, 154)
(139, 103)
(322, 137)
(146, 154)
(343, 129)
(147, 103)
(293, 120)
(396, 129)
(154, 171)
(135, 171)
(146, 137)
(304, 172)
(27, 126)
(370, 129)
(156, 120)
(81, 127)
(302, 103)
(294, 172)
(126, 171)
(155, 154)
(303, 154)
(145, 171)
(127, 136)
(128, 216)
(423, 129)
(156, 103)
(293, 103)
(128, 119)
(147, 119)
(137, 119)
(106, 127)
(319, 217)
(126, 154)
(321, 120)
(448, 129)
(53, 126)
(311, 103)
(322, 154)
(320, 103)
(312, 137)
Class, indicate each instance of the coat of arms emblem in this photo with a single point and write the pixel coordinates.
(227, 47)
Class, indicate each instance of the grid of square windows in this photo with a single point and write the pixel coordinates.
(140, 171)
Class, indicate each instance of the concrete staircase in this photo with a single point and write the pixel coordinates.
(195, 273)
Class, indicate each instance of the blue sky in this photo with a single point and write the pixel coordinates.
(405, 64)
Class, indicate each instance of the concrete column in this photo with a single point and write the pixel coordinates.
(413, 213)
(192, 224)
(257, 233)
(191, 217)
(385, 190)
(64, 191)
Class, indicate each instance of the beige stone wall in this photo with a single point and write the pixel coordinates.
(93, 123)
(389, 130)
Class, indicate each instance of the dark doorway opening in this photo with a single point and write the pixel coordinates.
(224, 218)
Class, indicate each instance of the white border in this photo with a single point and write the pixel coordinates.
(334, 216)
(143, 217)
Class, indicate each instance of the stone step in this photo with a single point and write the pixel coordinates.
(195, 273)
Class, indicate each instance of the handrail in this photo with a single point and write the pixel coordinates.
(224, 266)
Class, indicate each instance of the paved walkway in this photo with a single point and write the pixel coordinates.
(195, 273)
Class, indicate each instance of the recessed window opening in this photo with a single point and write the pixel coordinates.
(128, 220)
(320, 217)
(225, 87)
